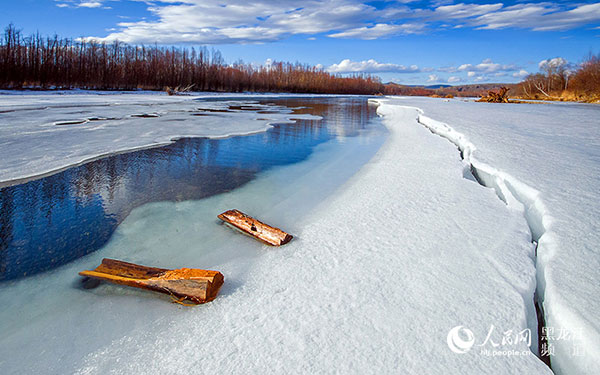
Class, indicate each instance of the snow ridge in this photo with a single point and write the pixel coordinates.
(510, 190)
(514, 193)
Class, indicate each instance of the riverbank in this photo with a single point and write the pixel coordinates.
(568, 98)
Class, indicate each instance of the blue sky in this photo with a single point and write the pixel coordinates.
(404, 41)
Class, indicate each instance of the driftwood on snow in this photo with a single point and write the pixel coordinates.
(496, 97)
(178, 90)
(259, 230)
(195, 285)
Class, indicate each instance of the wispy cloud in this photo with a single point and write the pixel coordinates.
(540, 17)
(82, 4)
(520, 74)
(240, 21)
(553, 63)
(380, 30)
(370, 66)
(484, 70)
(90, 4)
(486, 66)
(461, 11)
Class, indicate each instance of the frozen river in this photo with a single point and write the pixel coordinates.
(54, 226)
(56, 219)
(402, 261)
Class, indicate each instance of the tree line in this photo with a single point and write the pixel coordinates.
(558, 80)
(51, 62)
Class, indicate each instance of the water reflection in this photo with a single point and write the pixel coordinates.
(51, 221)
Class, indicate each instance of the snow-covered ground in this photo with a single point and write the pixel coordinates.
(546, 156)
(410, 267)
(58, 131)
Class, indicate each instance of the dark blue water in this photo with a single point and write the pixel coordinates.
(53, 220)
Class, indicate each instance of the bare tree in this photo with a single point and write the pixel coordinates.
(64, 63)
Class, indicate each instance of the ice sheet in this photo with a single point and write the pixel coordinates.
(43, 133)
(546, 156)
(373, 282)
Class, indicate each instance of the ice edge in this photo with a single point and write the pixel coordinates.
(24, 178)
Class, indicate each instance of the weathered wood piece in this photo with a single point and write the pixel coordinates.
(496, 97)
(259, 230)
(198, 286)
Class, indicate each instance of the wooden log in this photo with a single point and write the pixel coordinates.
(198, 286)
(254, 228)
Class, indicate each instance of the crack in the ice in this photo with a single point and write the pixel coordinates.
(512, 192)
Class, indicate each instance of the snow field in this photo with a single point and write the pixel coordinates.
(553, 155)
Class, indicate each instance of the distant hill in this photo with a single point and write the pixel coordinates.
(433, 87)
(437, 86)
(472, 90)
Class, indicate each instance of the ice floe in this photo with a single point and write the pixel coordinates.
(45, 133)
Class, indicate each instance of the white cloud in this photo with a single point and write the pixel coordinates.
(82, 4)
(238, 21)
(90, 4)
(379, 30)
(540, 17)
(520, 74)
(486, 66)
(433, 78)
(454, 79)
(448, 69)
(486, 69)
(557, 65)
(370, 66)
(481, 71)
(544, 16)
(553, 63)
(461, 10)
(258, 21)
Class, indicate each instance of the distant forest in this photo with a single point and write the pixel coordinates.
(36, 62)
(52, 62)
(557, 80)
